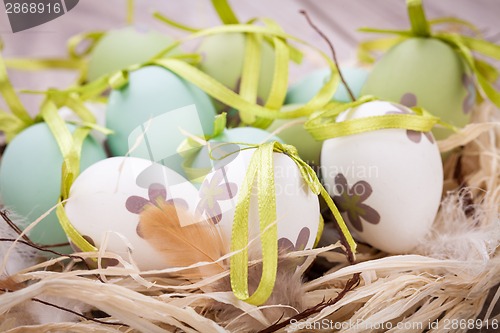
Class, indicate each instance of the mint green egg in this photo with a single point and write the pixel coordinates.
(304, 90)
(223, 58)
(30, 179)
(154, 92)
(119, 49)
(308, 148)
(428, 73)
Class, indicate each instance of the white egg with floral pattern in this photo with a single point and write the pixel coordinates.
(106, 201)
(297, 207)
(386, 183)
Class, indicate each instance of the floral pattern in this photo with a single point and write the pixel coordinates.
(350, 202)
(414, 136)
(211, 192)
(286, 246)
(157, 193)
(409, 100)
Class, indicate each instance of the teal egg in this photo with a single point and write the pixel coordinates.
(304, 90)
(151, 100)
(119, 49)
(30, 178)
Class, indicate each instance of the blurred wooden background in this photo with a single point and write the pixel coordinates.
(338, 18)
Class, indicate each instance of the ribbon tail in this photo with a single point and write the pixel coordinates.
(348, 241)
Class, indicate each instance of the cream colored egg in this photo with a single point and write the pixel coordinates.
(387, 183)
(106, 199)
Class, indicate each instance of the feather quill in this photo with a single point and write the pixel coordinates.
(183, 245)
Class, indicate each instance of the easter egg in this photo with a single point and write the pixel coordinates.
(30, 178)
(386, 183)
(238, 135)
(223, 59)
(119, 49)
(98, 111)
(304, 90)
(428, 73)
(297, 207)
(151, 92)
(292, 131)
(106, 201)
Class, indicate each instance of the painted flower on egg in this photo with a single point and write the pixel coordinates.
(350, 201)
(157, 193)
(211, 192)
(414, 136)
(286, 246)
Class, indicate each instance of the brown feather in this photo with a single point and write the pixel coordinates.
(9, 284)
(183, 246)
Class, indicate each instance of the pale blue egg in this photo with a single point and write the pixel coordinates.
(30, 178)
(153, 93)
(304, 90)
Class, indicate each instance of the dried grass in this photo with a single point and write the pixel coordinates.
(447, 278)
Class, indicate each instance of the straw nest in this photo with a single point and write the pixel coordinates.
(449, 283)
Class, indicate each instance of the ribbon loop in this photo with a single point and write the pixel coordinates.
(323, 125)
(261, 171)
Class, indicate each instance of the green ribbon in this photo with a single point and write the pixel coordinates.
(260, 171)
(70, 146)
(323, 125)
(485, 73)
(271, 110)
(18, 119)
(130, 11)
(191, 147)
(271, 33)
(225, 12)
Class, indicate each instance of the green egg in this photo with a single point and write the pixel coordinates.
(30, 179)
(223, 58)
(151, 92)
(428, 73)
(121, 48)
(308, 148)
(304, 90)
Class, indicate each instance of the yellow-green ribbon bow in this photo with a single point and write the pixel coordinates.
(463, 45)
(260, 171)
